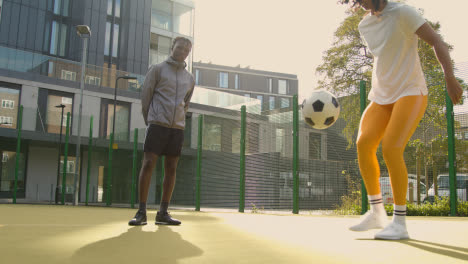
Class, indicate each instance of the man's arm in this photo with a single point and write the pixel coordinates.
(188, 97)
(147, 91)
(426, 33)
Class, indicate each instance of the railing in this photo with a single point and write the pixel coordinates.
(57, 68)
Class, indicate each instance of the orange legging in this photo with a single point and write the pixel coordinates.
(393, 124)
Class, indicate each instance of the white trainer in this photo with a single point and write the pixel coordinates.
(371, 220)
(394, 231)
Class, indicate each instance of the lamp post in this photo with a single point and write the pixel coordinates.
(85, 33)
(115, 98)
(59, 154)
(112, 136)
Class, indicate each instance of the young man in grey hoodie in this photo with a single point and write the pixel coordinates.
(165, 97)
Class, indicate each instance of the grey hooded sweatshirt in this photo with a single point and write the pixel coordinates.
(166, 93)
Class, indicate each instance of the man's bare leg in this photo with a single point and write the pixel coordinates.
(149, 162)
(170, 167)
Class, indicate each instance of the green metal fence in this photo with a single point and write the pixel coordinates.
(253, 158)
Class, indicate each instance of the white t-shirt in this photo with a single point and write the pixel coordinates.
(392, 40)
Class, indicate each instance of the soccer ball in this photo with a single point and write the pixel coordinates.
(321, 109)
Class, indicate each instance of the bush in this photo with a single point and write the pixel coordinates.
(440, 207)
(350, 203)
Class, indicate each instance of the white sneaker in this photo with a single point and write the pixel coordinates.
(371, 220)
(394, 231)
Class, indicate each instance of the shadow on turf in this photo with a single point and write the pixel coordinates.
(138, 246)
(441, 249)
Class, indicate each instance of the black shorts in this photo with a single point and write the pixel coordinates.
(162, 140)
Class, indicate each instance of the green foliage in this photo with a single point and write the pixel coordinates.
(440, 207)
(255, 209)
(350, 203)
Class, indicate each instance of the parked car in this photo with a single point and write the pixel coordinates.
(387, 195)
(443, 187)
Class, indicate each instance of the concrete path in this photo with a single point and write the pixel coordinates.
(67, 234)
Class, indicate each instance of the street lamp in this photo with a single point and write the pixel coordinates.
(115, 98)
(112, 136)
(84, 32)
(59, 154)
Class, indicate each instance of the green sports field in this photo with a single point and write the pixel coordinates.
(66, 234)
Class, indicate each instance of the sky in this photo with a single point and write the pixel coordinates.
(292, 36)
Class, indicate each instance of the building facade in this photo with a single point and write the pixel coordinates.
(274, 90)
(40, 69)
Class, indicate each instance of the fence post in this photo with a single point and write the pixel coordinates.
(199, 162)
(109, 171)
(242, 159)
(65, 158)
(295, 155)
(134, 168)
(90, 149)
(451, 155)
(363, 100)
(18, 151)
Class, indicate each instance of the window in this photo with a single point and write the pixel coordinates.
(161, 14)
(110, 6)
(172, 16)
(70, 172)
(284, 102)
(270, 85)
(183, 16)
(107, 39)
(279, 139)
(160, 48)
(57, 27)
(223, 80)
(315, 145)
(236, 81)
(59, 7)
(133, 85)
(7, 173)
(6, 121)
(282, 87)
(111, 39)
(1, 4)
(67, 100)
(247, 95)
(58, 38)
(93, 80)
(9, 106)
(68, 75)
(235, 140)
(212, 137)
(260, 97)
(122, 120)
(197, 76)
(272, 102)
(54, 120)
(466, 135)
(111, 33)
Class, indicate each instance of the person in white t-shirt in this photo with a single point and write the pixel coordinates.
(398, 101)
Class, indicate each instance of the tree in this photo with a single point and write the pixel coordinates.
(348, 61)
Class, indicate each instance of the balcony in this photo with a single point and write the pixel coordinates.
(61, 69)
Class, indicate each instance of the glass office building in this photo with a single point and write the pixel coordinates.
(40, 69)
